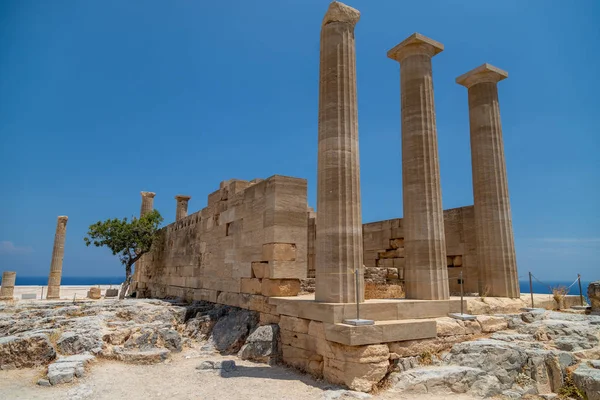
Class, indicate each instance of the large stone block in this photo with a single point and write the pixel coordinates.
(286, 270)
(260, 269)
(250, 285)
(280, 287)
(278, 252)
(293, 324)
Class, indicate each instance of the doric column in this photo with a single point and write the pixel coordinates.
(147, 202)
(493, 222)
(147, 206)
(182, 206)
(339, 225)
(58, 253)
(8, 285)
(426, 273)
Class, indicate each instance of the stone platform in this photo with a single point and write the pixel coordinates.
(395, 319)
(377, 309)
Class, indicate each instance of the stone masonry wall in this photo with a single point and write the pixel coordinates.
(383, 243)
(249, 242)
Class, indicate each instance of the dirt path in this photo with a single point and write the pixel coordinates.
(179, 380)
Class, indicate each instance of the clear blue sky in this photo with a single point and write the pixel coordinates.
(102, 99)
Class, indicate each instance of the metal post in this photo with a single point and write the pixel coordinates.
(74, 294)
(42, 298)
(580, 292)
(531, 290)
(357, 295)
(461, 293)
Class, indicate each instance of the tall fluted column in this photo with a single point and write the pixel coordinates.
(493, 222)
(339, 221)
(182, 206)
(426, 273)
(8, 285)
(58, 253)
(147, 206)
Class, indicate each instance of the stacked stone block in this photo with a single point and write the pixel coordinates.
(384, 251)
(8, 285)
(251, 239)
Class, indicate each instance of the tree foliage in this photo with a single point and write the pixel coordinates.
(129, 239)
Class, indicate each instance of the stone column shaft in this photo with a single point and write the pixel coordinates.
(493, 222)
(58, 253)
(8, 285)
(147, 202)
(147, 206)
(182, 206)
(339, 222)
(426, 273)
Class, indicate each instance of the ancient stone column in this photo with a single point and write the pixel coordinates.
(493, 223)
(182, 206)
(8, 285)
(339, 222)
(147, 202)
(58, 253)
(426, 273)
(147, 206)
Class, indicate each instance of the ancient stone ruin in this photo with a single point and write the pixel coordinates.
(256, 241)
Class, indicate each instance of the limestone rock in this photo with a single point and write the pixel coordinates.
(502, 359)
(225, 365)
(151, 356)
(448, 379)
(491, 324)
(65, 369)
(43, 382)
(171, 339)
(231, 331)
(587, 379)
(449, 327)
(27, 351)
(94, 293)
(76, 342)
(261, 345)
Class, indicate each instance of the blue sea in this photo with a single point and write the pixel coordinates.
(546, 287)
(70, 280)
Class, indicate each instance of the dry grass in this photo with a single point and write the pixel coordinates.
(375, 291)
(569, 390)
(426, 358)
(558, 294)
(54, 336)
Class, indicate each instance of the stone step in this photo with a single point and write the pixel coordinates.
(377, 310)
(381, 332)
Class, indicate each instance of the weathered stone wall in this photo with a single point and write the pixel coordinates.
(250, 239)
(383, 243)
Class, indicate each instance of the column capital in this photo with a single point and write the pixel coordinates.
(413, 45)
(339, 12)
(182, 197)
(63, 218)
(148, 194)
(483, 73)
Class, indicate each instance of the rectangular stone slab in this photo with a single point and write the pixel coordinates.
(381, 332)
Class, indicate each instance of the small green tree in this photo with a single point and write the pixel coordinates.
(128, 239)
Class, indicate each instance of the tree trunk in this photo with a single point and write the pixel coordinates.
(125, 286)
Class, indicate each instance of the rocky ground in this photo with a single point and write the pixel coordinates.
(144, 349)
